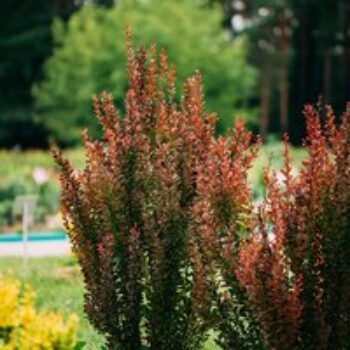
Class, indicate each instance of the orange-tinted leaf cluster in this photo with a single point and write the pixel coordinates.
(128, 212)
(296, 268)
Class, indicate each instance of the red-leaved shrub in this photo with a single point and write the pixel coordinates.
(128, 213)
(295, 268)
(278, 275)
(170, 243)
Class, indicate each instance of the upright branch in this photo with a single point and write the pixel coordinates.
(223, 216)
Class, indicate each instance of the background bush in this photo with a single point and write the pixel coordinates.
(89, 58)
(22, 327)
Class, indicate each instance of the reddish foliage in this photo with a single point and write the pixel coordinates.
(296, 269)
(223, 217)
(128, 212)
(168, 239)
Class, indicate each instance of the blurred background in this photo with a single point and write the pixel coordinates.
(261, 61)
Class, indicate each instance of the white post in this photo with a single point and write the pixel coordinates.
(25, 235)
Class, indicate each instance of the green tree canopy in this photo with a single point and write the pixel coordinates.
(89, 57)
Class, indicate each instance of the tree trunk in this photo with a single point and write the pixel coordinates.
(327, 75)
(265, 88)
(283, 71)
(284, 96)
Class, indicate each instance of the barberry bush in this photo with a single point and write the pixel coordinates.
(170, 243)
(287, 282)
(129, 212)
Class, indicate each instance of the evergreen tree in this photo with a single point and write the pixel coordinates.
(25, 42)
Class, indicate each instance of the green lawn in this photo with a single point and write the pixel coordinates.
(58, 286)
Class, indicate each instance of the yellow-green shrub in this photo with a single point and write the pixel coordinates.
(23, 327)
